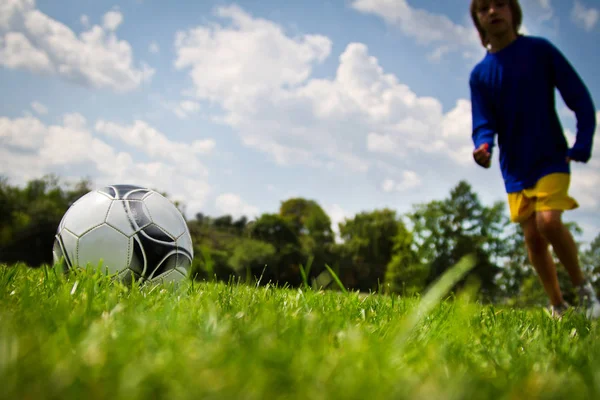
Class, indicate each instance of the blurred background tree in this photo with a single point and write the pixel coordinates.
(376, 251)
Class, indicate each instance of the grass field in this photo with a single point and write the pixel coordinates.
(83, 336)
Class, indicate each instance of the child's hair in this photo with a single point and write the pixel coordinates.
(517, 18)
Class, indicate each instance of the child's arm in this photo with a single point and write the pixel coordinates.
(578, 99)
(484, 127)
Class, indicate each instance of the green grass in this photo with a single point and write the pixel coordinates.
(83, 336)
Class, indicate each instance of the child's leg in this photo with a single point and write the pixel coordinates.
(522, 207)
(539, 211)
(550, 225)
(541, 259)
(552, 199)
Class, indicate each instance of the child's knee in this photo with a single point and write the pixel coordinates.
(534, 239)
(548, 222)
(536, 242)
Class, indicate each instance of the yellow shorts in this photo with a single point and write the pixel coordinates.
(549, 193)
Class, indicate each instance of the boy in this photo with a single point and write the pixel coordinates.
(512, 95)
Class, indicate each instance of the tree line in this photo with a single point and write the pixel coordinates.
(379, 251)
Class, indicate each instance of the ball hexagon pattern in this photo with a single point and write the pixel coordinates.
(135, 232)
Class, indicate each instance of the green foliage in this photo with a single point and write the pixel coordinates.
(30, 216)
(274, 229)
(446, 230)
(312, 226)
(369, 240)
(405, 274)
(514, 263)
(252, 256)
(378, 250)
(590, 259)
(306, 217)
(370, 235)
(404, 277)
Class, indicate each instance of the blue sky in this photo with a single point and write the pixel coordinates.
(233, 107)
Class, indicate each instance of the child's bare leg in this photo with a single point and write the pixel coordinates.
(552, 228)
(540, 257)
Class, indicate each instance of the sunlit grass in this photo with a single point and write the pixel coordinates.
(85, 336)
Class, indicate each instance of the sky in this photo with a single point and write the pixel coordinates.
(234, 107)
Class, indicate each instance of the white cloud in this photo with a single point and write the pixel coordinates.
(224, 65)
(16, 51)
(584, 186)
(439, 53)
(547, 8)
(30, 39)
(585, 179)
(255, 72)
(545, 4)
(189, 106)
(232, 204)
(337, 215)
(182, 109)
(424, 128)
(438, 31)
(409, 180)
(155, 144)
(30, 149)
(154, 48)
(566, 112)
(425, 27)
(268, 96)
(186, 108)
(25, 133)
(381, 143)
(584, 16)
(85, 21)
(39, 108)
(456, 131)
(112, 20)
(388, 185)
(362, 121)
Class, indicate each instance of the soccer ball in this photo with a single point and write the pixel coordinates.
(135, 232)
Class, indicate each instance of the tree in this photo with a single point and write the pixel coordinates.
(273, 229)
(31, 215)
(202, 219)
(312, 226)
(306, 217)
(447, 230)
(590, 259)
(514, 262)
(404, 273)
(240, 223)
(569, 292)
(251, 257)
(224, 221)
(369, 240)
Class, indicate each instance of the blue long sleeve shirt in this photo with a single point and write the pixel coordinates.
(513, 97)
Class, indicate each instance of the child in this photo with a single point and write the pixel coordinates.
(512, 95)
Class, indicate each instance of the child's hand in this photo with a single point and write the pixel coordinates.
(482, 156)
(578, 155)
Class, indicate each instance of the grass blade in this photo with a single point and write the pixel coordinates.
(434, 295)
(336, 279)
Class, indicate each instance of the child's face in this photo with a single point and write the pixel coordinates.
(495, 16)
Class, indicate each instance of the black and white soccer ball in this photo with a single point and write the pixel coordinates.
(135, 232)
